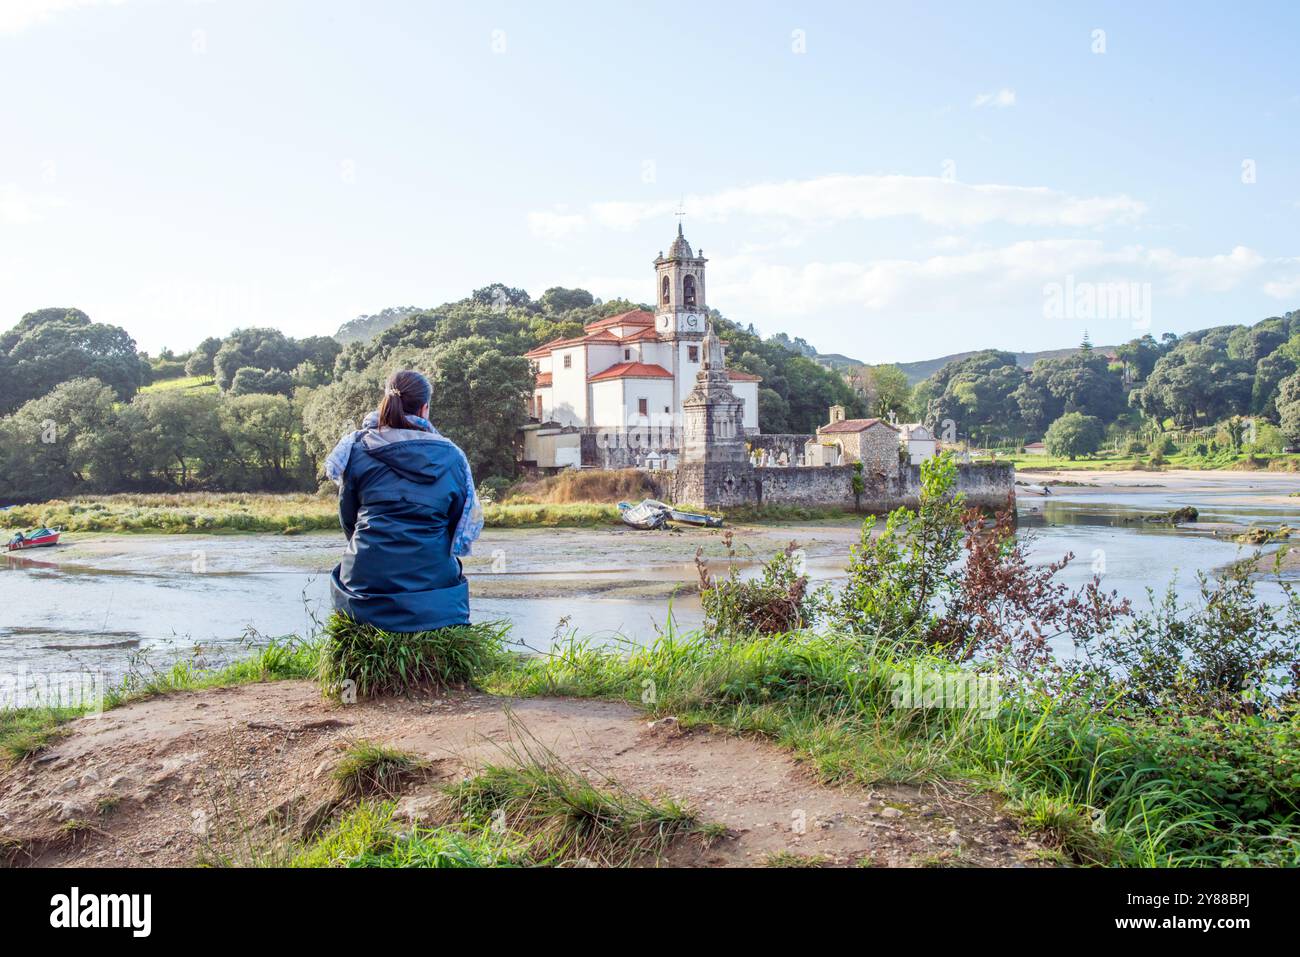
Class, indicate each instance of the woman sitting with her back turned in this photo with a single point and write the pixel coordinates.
(408, 508)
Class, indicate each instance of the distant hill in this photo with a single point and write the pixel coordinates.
(916, 371)
(833, 360)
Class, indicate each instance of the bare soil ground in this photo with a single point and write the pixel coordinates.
(172, 780)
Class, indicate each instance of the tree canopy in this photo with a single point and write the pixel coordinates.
(1190, 381)
(55, 345)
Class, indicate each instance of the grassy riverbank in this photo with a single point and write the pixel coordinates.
(286, 514)
(291, 514)
(1113, 462)
(1102, 787)
(1096, 786)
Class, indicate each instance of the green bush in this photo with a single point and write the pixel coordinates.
(1162, 445)
(1268, 439)
(777, 601)
(1228, 651)
(1074, 434)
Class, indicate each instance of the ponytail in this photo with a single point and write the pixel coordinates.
(405, 394)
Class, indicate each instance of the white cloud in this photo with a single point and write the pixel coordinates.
(18, 15)
(555, 225)
(979, 280)
(18, 208)
(1210, 273)
(828, 199)
(1287, 289)
(1001, 99)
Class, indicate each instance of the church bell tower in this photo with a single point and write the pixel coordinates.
(680, 308)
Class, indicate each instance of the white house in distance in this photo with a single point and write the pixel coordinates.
(919, 442)
(632, 371)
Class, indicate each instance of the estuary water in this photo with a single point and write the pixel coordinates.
(108, 604)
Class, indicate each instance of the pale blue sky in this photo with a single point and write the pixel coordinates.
(904, 187)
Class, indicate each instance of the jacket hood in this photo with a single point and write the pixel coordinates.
(412, 454)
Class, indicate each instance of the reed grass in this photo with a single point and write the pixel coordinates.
(608, 486)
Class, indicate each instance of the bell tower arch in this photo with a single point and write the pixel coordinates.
(680, 304)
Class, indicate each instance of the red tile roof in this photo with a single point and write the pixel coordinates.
(633, 317)
(543, 379)
(854, 425)
(632, 370)
(647, 334)
(596, 333)
(735, 375)
(542, 350)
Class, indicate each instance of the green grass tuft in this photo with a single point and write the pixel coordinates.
(368, 836)
(791, 859)
(377, 662)
(564, 816)
(374, 770)
(25, 731)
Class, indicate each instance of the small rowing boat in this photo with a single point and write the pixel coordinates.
(694, 518)
(36, 539)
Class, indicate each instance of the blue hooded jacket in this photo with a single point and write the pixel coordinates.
(401, 499)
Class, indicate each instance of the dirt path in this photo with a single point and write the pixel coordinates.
(157, 783)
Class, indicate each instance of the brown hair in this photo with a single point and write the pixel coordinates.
(405, 394)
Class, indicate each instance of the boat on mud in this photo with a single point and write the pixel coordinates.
(652, 514)
(695, 518)
(38, 538)
(649, 515)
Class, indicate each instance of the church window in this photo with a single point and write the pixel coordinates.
(688, 291)
(568, 361)
(665, 297)
(627, 355)
(643, 406)
(693, 353)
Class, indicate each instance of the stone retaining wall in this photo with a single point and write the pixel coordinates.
(730, 486)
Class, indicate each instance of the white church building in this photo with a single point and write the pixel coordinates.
(627, 375)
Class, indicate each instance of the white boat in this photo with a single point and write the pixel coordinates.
(649, 514)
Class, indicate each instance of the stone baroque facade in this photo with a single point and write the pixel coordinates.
(623, 382)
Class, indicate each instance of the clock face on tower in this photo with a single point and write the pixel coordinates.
(693, 322)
